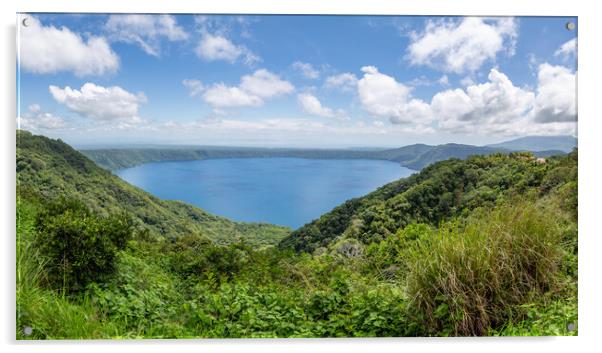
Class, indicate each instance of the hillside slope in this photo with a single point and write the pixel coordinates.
(439, 192)
(50, 168)
(443, 152)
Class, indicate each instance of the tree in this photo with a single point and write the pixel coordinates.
(79, 246)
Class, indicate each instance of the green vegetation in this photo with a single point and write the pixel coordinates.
(448, 189)
(465, 278)
(79, 247)
(483, 246)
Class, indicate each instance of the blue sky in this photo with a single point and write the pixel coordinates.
(299, 81)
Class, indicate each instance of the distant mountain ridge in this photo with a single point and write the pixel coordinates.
(416, 156)
(564, 143)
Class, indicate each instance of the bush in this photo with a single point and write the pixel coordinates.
(140, 295)
(79, 247)
(466, 279)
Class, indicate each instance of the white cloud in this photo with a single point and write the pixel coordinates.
(144, 30)
(222, 96)
(306, 69)
(252, 91)
(467, 81)
(48, 50)
(195, 87)
(37, 120)
(100, 103)
(422, 80)
(443, 80)
(214, 47)
(533, 62)
(311, 105)
(265, 84)
(462, 46)
(567, 50)
(34, 108)
(549, 129)
(299, 126)
(345, 81)
(274, 124)
(382, 96)
(556, 99)
(224, 25)
(490, 106)
(498, 107)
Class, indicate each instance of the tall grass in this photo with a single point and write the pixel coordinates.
(468, 277)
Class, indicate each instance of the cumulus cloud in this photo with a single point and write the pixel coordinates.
(499, 107)
(556, 100)
(382, 96)
(462, 46)
(222, 96)
(195, 87)
(311, 105)
(265, 84)
(48, 50)
(493, 105)
(218, 38)
(306, 70)
(345, 82)
(567, 50)
(37, 120)
(215, 47)
(100, 103)
(144, 30)
(252, 91)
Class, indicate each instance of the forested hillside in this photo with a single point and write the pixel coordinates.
(482, 246)
(49, 168)
(441, 191)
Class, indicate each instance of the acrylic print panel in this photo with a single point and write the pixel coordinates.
(238, 176)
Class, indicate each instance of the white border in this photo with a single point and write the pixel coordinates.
(589, 169)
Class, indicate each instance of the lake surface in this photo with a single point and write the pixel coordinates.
(284, 191)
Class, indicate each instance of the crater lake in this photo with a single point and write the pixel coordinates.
(283, 191)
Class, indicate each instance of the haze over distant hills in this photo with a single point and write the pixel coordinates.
(539, 143)
(415, 156)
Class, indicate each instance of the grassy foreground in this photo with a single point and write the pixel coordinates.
(507, 272)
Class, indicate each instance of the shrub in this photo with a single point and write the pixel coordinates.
(79, 247)
(140, 295)
(466, 279)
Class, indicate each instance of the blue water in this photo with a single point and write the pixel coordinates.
(284, 191)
